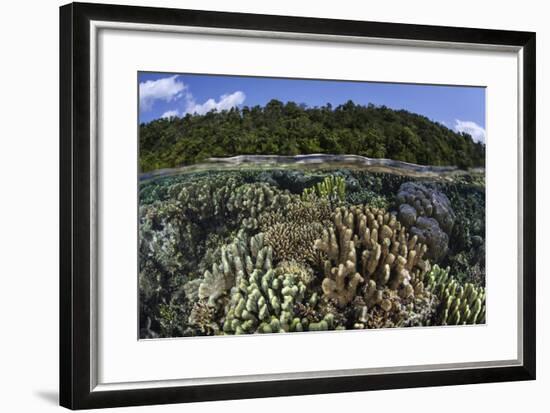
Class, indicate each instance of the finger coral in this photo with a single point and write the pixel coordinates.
(332, 188)
(369, 244)
(263, 301)
(460, 303)
(264, 298)
(243, 254)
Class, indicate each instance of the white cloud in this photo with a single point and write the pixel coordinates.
(171, 89)
(226, 102)
(471, 128)
(170, 114)
(167, 89)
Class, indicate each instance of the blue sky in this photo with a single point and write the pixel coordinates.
(163, 94)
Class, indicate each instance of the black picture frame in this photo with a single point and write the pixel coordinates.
(75, 219)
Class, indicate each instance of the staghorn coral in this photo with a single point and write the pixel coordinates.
(298, 211)
(428, 214)
(202, 317)
(292, 231)
(369, 244)
(294, 241)
(460, 303)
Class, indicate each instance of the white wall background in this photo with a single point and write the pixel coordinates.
(29, 204)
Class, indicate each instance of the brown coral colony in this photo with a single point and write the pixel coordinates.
(369, 246)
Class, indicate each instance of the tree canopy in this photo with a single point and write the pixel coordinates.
(291, 129)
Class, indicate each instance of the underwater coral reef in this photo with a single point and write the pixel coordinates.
(245, 250)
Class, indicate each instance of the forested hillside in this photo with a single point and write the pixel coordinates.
(291, 129)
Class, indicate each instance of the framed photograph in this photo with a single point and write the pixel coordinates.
(258, 205)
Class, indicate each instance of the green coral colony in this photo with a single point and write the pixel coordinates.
(289, 250)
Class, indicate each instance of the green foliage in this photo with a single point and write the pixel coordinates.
(289, 129)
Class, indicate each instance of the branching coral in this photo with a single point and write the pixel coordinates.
(302, 271)
(205, 197)
(369, 244)
(332, 188)
(239, 256)
(298, 211)
(161, 299)
(248, 201)
(294, 241)
(460, 304)
(212, 285)
(264, 299)
(384, 307)
(202, 317)
(174, 232)
(292, 231)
